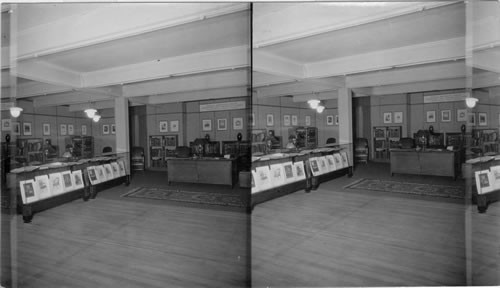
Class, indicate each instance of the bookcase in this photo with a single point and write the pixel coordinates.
(83, 146)
(240, 150)
(29, 150)
(307, 137)
(161, 147)
(485, 139)
(210, 148)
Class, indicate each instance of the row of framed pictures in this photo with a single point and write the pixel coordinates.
(446, 116)
(102, 173)
(275, 175)
(292, 120)
(53, 184)
(206, 124)
(64, 129)
(45, 186)
(174, 126)
(488, 180)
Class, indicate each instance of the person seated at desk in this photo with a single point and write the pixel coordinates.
(49, 150)
(292, 142)
(69, 152)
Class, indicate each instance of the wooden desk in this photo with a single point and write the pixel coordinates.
(202, 170)
(428, 162)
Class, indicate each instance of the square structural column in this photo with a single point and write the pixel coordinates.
(345, 119)
(122, 129)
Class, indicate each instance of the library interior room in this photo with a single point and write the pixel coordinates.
(409, 92)
(239, 144)
(121, 167)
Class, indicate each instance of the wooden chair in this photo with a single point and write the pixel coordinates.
(137, 159)
(361, 150)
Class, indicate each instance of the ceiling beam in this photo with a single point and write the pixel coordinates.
(229, 78)
(272, 64)
(485, 79)
(34, 88)
(260, 79)
(47, 73)
(450, 70)
(96, 105)
(293, 89)
(68, 99)
(487, 60)
(199, 95)
(96, 26)
(448, 84)
(209, 61)
(327, 95)
(445, 50)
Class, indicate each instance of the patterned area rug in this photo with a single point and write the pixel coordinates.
(204, 198)
(446, 191)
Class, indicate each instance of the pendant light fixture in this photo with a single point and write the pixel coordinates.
(313, 103)
(15, 111)
(96, 118)
(91, 112)
(320, 108)
(471, 102)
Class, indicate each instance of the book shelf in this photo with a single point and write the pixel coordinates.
(240, 150)
(83, 146)
(29, 150)
(485, 139)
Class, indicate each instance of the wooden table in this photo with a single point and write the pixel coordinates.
(202, 170)
(428, 162)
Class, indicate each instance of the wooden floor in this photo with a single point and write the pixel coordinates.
(115, 243)
(338, 237)
(484, 239)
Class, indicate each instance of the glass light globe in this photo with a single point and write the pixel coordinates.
(313, 103)
(471, 102)
(96, 118)
(320, 109)
(90, 112)
(15, 111)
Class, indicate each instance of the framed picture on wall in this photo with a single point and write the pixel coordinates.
(63, 129)
(398, 117)
(286, 120)
(387, 117)
(482, 119)
(329, 120)
(206, 124)
(113, 129)
(174, 126)
(431, 116)
(46, 129)
(27, 128)
(461, 115)
(270, 120)
(84, 129)
(445, 115)
(105, 129)
(163, 126)
(295, 120)
(6, 125)
(471, 119)
(71, 129)
(16, 128)
(237, 123)
(222, 124)
(336, 119)
(308, 120)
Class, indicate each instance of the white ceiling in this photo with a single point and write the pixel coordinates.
(151, 53)
(70, 53)
(371, 47)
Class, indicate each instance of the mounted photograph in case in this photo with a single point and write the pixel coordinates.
(43, 185)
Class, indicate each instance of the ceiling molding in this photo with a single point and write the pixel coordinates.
(439, 51)
(209, 61)
(222, 79)
(272, 64)
(438, 71)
